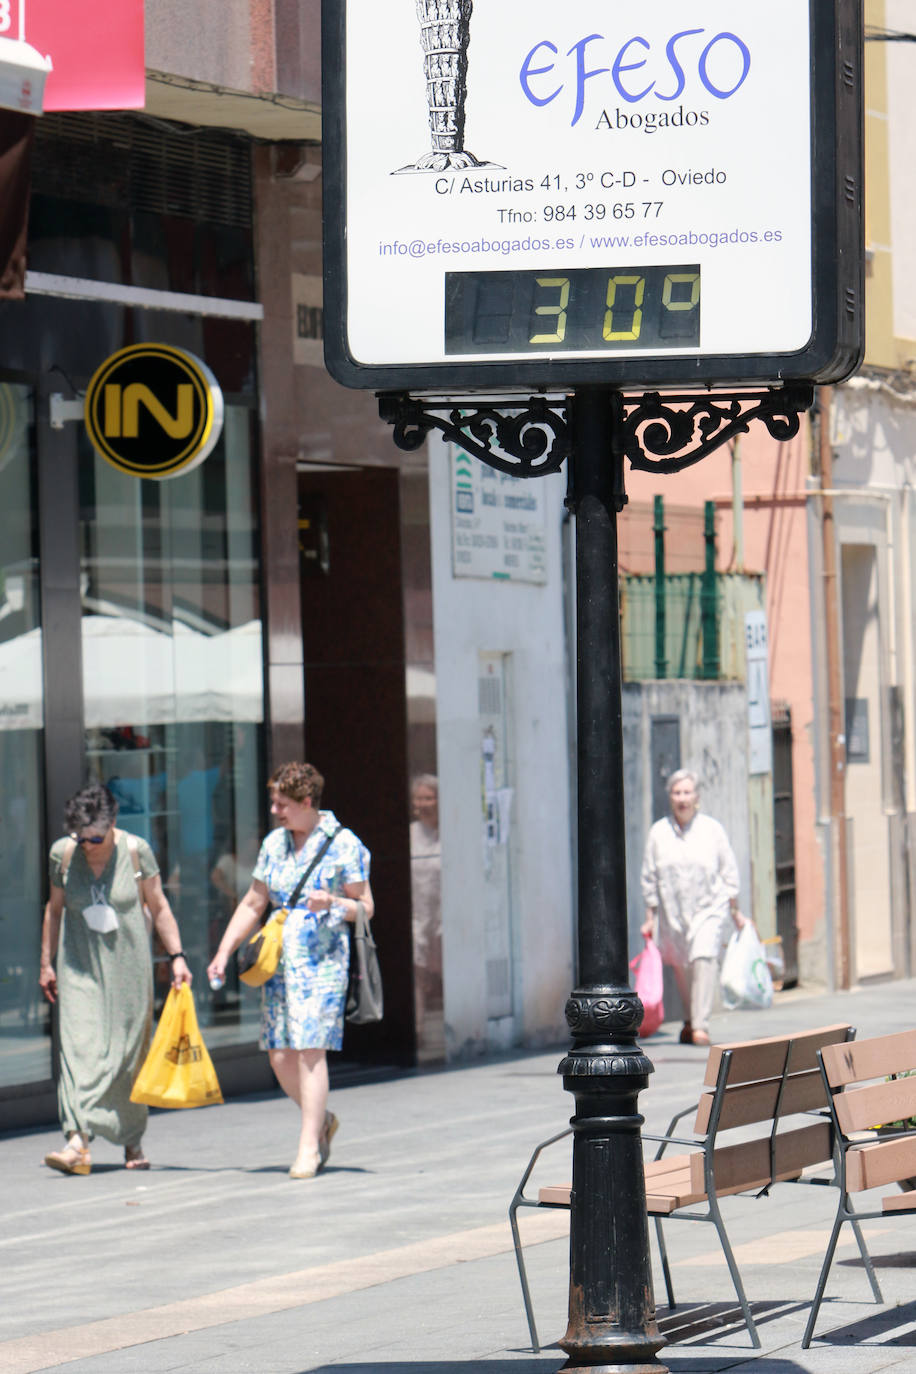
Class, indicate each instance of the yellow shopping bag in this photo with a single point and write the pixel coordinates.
(178, 1071)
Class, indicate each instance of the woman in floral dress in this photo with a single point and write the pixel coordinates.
(302, 1011)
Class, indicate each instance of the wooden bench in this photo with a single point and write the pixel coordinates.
(755, 1083)
(866, 1157)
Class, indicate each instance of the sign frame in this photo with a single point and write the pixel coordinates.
(836, 344)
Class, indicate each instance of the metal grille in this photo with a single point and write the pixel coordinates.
(123, 162)
(489, 696)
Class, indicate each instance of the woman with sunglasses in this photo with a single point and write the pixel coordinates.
(95, 927)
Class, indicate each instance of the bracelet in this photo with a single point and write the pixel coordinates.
(179, 954)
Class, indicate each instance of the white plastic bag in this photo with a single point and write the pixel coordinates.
(746, 980)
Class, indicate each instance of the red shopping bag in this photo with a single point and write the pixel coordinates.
(648, 982)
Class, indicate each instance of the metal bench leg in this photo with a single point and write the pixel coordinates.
(733, 1270)
(822, 1281)
(663, 1253)
(866, 1260)
(523, 1277)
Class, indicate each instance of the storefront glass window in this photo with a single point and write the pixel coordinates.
(173, 687)
(25, 1044)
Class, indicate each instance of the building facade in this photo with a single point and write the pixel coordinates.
(301, 593)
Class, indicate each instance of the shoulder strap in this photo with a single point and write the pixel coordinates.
(297, 890)
(69, 851)
(134, 852)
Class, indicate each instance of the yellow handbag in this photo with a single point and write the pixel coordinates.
(177, 1071)
(259, 959)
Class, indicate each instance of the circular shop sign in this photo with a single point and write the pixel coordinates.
(153, 411)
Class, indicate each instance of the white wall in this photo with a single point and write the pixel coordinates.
(473, 616)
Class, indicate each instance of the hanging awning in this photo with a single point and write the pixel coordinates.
(134, 675)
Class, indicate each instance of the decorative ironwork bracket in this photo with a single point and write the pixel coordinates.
(526, 438)
(657, 432)
(657, 429)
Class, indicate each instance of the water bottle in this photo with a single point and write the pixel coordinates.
(217, 982)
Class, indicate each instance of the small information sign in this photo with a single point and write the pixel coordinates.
(498, 523)
(760, 730)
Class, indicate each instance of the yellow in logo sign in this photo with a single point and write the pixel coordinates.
(122, 410)
(183, 1052)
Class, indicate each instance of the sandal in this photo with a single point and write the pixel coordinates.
(134, 1158)
(306, 1166)
(72, 1159)
(327, 1135)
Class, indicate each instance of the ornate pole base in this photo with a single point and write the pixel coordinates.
(612, 1325)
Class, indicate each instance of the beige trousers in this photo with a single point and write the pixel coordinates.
(697, 984)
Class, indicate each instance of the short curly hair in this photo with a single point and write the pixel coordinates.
(91, 805)
(298, 781)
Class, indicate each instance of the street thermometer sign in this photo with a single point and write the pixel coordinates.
(536, 195)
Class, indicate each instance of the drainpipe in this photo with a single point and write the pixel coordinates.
(661, 658)
(708, 598)
(738, 504)
(836, 712)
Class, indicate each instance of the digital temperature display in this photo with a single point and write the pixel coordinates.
(588, 310)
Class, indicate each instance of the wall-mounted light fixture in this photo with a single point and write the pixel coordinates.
(23, 70)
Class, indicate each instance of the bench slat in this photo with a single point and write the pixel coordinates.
(740, 1168)
(753, 1059)
(666, 1190)
(659, 1204)
(678, 1180)
(899, 1202)
(747, 1103)
(874, 1058)
(676, 1167)
(861, 1109)
(880, 1162)
(556, 1195)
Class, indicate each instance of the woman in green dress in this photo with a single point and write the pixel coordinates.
(95, 927)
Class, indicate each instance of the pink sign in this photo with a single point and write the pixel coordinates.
(97, 50)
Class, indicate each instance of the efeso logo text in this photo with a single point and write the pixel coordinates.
(692, 63)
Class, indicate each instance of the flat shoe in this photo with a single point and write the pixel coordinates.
(135, 1160)
(686, 1035)
(324, 1145)
(308, 1168)
(70, 1160)
(700, 1038)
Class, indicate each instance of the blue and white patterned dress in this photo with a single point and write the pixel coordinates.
(303, 1004)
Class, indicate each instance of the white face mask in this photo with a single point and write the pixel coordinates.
(99, 916)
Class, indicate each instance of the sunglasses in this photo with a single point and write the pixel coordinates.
(89, 839)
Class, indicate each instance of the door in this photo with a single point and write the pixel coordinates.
(356, 712)
(784, 840)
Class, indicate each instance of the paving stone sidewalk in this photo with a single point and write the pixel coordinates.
(398, 1259)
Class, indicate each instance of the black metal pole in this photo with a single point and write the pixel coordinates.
(611, 1307)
